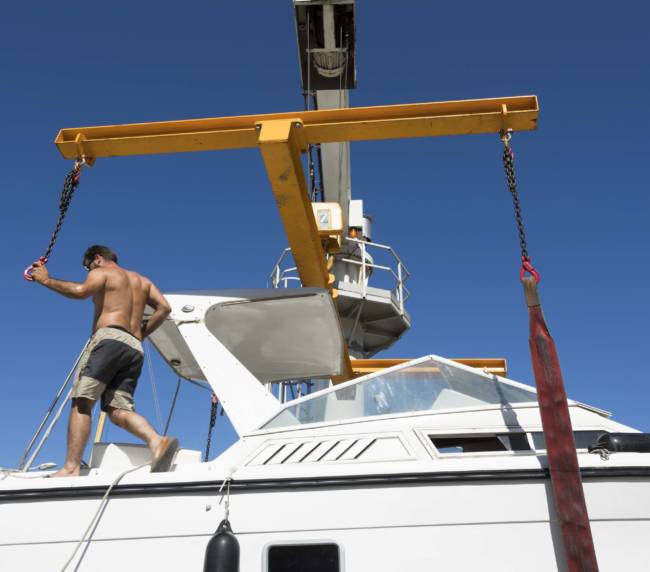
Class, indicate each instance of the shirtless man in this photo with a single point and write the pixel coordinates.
(111, 364)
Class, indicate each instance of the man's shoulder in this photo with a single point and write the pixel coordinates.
(137, 276)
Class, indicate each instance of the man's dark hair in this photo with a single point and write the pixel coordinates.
(96, 249)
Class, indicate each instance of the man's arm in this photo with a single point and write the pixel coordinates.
(76, 290)
(161, 309)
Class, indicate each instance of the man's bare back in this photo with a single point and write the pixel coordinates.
(112, 361)
(122, 299)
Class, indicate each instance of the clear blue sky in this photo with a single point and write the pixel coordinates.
(196, 221)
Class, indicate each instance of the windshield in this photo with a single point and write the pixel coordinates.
(426, 386)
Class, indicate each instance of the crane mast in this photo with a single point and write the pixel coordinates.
(368, 278)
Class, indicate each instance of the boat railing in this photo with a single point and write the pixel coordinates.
(361, 255)
(25, 462)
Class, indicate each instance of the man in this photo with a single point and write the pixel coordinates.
(111, 364)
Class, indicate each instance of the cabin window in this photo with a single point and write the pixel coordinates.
(299, 557)
(481, 443)
(582, 438)
(504, 442)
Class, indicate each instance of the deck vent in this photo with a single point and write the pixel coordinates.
(344, 449)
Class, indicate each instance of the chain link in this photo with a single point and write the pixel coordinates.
(213, 420)
(69, 187)
(313, 185)
(509, 167)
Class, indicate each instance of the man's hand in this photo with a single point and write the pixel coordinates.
(39, 272)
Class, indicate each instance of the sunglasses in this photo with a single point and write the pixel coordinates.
(89, 266)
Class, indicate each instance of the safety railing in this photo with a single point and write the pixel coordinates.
(360, 254)
(284, 276)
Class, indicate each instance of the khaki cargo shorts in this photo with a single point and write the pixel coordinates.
(109, 368)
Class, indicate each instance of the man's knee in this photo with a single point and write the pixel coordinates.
(116, 415)
(83, 405)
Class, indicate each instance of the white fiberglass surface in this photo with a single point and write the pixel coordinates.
(425, 386)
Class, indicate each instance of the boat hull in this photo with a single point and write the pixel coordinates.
(389, 522)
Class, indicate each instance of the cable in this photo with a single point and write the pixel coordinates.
(173, 405)
(152, 381)
(95, 520)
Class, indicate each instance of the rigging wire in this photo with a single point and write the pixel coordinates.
(52, 406)
(313, 186)
(173, 405)
(343, 86)
(152, 381)
(319, 155)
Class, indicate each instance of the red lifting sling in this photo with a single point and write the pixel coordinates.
(561, 453)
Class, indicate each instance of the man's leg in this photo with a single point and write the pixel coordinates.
(137, 425)
(78, 432)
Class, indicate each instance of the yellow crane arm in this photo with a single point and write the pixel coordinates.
(321, 126)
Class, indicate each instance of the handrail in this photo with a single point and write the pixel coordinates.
(281, 276)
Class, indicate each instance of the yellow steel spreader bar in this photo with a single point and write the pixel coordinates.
(322, 126)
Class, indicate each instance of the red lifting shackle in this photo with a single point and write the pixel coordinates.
(527, 266)
(27, 274)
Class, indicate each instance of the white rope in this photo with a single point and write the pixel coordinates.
(154, 391)
(17, 474)
(226, 483)
(98, 514)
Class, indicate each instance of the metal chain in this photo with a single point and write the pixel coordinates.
(69, 187)
(509, 167)
(313, 186)
(213, 420)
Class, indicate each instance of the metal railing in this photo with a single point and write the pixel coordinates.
(281, 277)
(26, 464)
(285, 275)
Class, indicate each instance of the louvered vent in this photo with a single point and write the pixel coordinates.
(331, 450)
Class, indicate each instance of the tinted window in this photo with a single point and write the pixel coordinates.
(304, 558)
(481, 443)
(582, 439)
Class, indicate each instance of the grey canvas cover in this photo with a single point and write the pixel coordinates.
(278, 334)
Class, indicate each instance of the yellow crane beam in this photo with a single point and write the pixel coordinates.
(279, 141)
(282, 137)
(497, 366)
(280, 148)
(321, 126)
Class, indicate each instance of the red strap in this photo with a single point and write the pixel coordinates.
(568, 494)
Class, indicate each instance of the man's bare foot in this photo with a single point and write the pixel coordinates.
(65, 472)
(163, 455)
(154, 445)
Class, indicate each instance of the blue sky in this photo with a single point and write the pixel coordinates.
(208, 220)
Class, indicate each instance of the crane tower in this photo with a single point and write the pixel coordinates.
(369, 278)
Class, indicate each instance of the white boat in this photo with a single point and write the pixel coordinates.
(430, 464)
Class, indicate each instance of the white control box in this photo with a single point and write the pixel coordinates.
(355, 214)
(329, 218)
